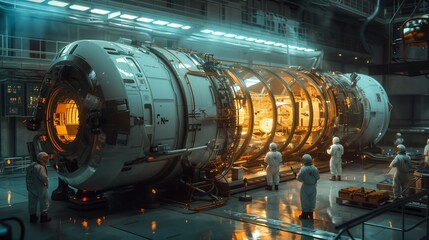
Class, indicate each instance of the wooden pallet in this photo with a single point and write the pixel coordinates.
(360, 204)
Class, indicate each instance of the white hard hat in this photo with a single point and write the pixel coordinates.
(307, 158)
(41, 155)
(398, 134)
(335, 140)
(273, 146)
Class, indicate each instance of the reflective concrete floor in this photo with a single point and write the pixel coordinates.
(270, 215)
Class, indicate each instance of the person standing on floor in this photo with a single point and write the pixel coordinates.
(273, 158)
(335, 163)
(426, 153)
(308, 175)
(37, 187)
(398, 139)
(402, 162)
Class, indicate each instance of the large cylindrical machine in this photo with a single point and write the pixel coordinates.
(116, 114)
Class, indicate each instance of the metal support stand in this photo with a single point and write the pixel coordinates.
(245, 198)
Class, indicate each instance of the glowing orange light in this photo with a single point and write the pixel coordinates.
(153, 191)
(8, 162)
(239, 234)
(43, 138)
(84, 199)
(99, 221)
(85, 224)
(153, 226)
(248, 208)
(295, 213)
(66, 120)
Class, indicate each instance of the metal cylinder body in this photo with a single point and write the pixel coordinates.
(116, 114)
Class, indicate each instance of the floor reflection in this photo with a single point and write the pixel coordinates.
(270, 215)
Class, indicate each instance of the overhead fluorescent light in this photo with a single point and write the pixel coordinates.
(174, 25)
(113, 14)
(250, 39)
(186, 27)
(240, 37)
(36, 1)
(278, 44)
(99, 11)
(260, 41)
(58, 3)
(229, 35)
(218, 33)
(309, 50)
(146, 20)
(78, 7)
(159, 22)
(128, 16)
(269, 43)
(206, 31)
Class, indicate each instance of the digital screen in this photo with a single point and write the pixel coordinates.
(32, 97)
(19, 99)
(14, 99)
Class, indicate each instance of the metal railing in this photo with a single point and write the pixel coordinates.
(29, 48)
(362, 7)
(405, 9)
(362, 220)
(14, 165)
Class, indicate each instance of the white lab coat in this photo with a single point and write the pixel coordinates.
(335, 163)
(308, 175)
(400, 180)
(273, 159)
(426, 154)
(37, 187)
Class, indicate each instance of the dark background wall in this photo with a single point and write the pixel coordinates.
(326, 27)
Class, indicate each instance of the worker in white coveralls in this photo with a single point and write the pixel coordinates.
(335, 164)
(308, 175)
(398, 140)
(426, 153)
(402, 162)
(37, 187)
(273, 158)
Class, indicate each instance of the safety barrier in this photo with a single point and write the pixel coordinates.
(11, 165)
(421, 197)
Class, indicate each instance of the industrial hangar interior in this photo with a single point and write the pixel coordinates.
(157, 115)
